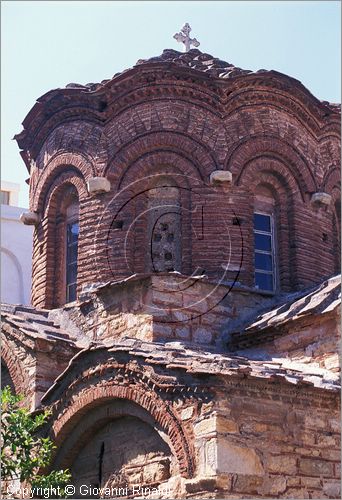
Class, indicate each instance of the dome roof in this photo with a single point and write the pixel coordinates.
(195, 59)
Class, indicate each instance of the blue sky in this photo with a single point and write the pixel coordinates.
(46, 45)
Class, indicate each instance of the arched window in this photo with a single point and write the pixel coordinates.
(71, 237)
(264, 227)
(337, 234)
(66, 245)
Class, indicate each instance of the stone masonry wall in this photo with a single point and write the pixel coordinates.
(278, 447)
(165, 307)
(123, 453)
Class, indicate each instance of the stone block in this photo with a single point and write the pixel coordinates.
(167, 298)
(226, 425)
(297, 493)
(334, 424)
(311, 482)
(210, 457)
(326, 441)
(98, 185)
(205, 427)
(187, 413)
(180, 316)
(282, 464)
(338, 470)
(202, 336)
(237, 459)
(246, 483)
(293, 481)
(312, 467)
(183, 333)
(332, 489)
(274, 485)
(200, 484)
(221, 177)
(161, 330)
(156, 471)
(321, 199)
(329, 454)
(315, 422)
(310, 452)
(30, 218)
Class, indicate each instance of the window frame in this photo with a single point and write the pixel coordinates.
(265, 252)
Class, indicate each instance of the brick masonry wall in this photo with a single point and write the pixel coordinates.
(288, 143)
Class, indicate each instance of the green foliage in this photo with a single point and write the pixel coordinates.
(23, 451)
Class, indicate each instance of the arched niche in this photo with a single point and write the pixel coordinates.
(164, 232)
(155, 180)
(332, 185)
(291, 165)
(75, 399)
(117, 444)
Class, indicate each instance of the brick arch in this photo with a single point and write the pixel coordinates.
(252, 96)
(96, 416)
(294, 167)
(67, 177)
(269, 170)
(58, 165)
(16, 370)
(58, 119)
(161, 162)
(49, 239)
(331, 179)
(78, 137)
(185, 147)
(332, 185)
(274, 188)
(100, 393)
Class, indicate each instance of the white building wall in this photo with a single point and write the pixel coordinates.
(16, 257)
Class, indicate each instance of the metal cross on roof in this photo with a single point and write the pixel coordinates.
(184, 37)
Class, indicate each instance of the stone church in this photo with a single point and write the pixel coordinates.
(184, 326)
